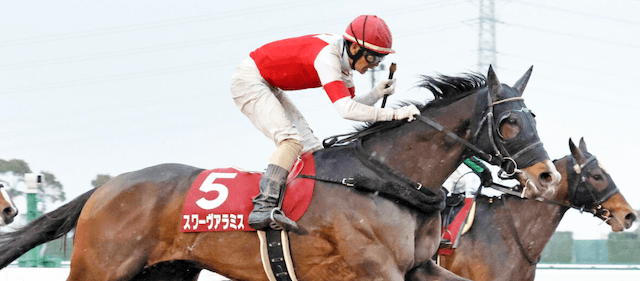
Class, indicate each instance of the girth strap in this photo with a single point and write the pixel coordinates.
(276, 256)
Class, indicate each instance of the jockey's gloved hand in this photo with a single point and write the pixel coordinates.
(386, 87)
(406, 112)
(486, 177)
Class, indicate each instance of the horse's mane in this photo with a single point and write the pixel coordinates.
(445, 89)
(448, 89)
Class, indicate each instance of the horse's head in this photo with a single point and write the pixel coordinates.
(591, 188)
(507, 131)
(7, 207)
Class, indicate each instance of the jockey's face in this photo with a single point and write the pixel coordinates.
(362, 65)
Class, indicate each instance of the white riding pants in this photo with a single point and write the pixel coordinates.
(269, 108)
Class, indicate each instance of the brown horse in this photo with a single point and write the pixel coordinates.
(9, 210)
(130, 227)
(507, 237)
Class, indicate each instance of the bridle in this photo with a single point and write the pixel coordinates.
(499, 156)
(524, 156)
(583, 196)
(580, 192)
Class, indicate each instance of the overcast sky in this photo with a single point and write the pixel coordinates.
(108, 87)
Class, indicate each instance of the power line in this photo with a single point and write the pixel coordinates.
(118, 77)
(156, 101)
(573, 35)
(571, 67)
(200, 42)
(207, 41)
(596, 16)
(157, 24)
(591, 86)
(204, 18)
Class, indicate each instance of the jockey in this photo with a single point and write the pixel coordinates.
(312, 61)
(456, 184)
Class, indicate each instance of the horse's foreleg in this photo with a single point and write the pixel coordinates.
(431, 271)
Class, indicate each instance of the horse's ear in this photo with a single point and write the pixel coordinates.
(495, 87)
(522, 83)
(576, 153)
(583, 145)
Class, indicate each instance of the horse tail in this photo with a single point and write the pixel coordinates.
(50, 226)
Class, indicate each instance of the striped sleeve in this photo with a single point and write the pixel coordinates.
(337, 90)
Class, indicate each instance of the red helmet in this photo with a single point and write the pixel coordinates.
(373, 31)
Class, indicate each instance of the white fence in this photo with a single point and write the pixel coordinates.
(587, 272)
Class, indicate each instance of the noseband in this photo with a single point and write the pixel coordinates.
(524, 156)
(500, 155)
(582, 194)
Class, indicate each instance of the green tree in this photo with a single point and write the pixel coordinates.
(100, 180)
(14, 169)
(51, 189)
(18, 167)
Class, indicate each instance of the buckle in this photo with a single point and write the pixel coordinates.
(348, 182)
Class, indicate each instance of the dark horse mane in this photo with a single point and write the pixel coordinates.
(445, 89)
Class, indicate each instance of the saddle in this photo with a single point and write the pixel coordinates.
(457, 218)
(350, 166)
(220, 199)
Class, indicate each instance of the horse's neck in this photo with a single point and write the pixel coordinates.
(535, 222)
(422, 153)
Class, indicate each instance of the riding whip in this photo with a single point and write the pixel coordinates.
(392, 69)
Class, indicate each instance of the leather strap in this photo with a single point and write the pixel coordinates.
(276, 256)
(515, 234)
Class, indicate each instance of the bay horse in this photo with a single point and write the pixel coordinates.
(129, 229)
(508, 234)
(9, 209)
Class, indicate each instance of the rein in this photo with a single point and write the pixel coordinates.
(574, 185)
(499, 159)
(523, 251)
(380, 168)
(582, 184)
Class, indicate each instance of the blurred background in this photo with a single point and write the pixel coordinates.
(89, 90)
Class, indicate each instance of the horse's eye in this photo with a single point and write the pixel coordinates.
(598, 177)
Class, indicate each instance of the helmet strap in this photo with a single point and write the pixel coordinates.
(355, 57)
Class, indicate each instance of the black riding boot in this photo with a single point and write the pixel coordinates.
(265, 205)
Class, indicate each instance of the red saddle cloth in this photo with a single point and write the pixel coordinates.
(452, 231)
(220, 199)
